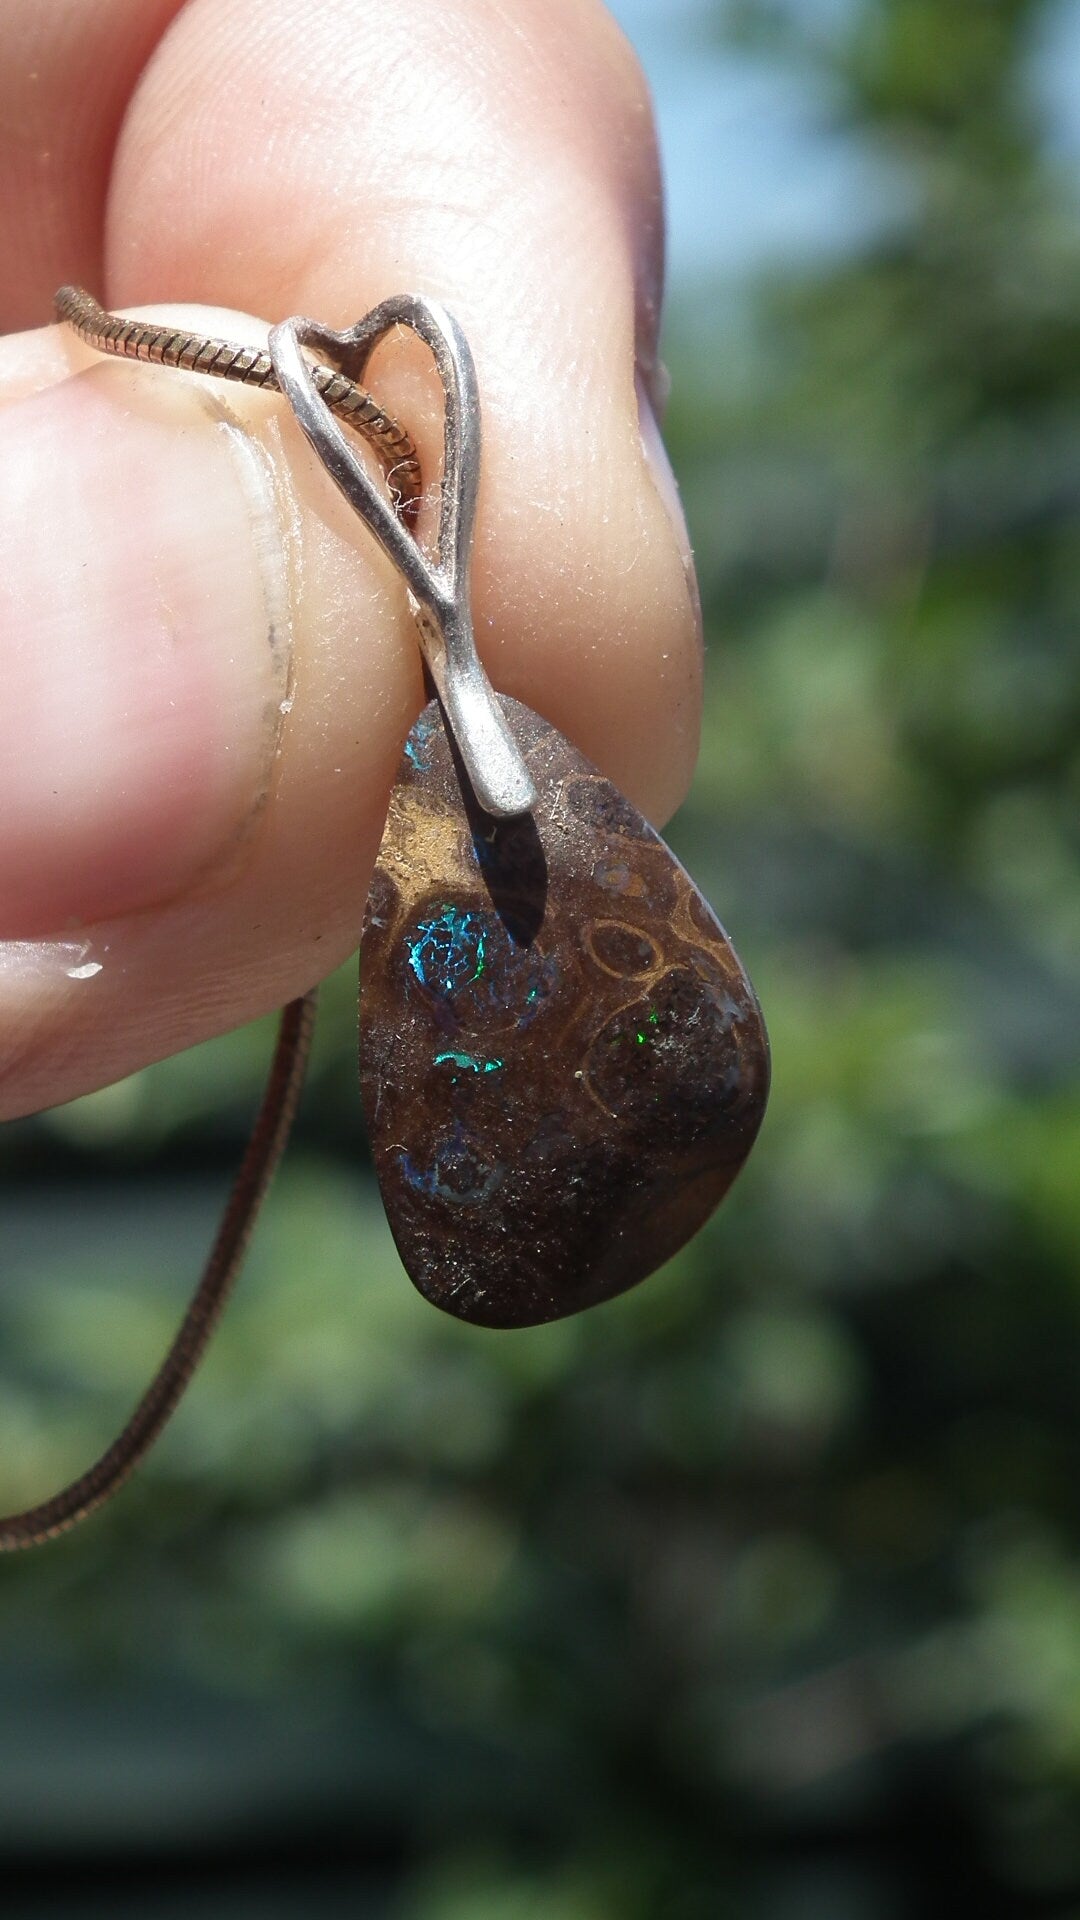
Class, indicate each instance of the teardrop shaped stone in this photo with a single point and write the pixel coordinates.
(563, 1065)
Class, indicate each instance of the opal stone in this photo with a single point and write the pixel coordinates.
(563, 1065)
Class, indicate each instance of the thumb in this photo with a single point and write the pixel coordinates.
(207, 682)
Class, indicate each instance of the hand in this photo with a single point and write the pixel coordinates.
(208, 667)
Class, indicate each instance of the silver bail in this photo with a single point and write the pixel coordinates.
(439, 590)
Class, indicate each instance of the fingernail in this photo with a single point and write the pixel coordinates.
(663, 479)
(656, 459)
(144, 611)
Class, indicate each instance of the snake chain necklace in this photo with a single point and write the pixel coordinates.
(563, 1065)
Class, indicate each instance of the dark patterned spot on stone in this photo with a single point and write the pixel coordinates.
(621, 949)
(479, 980)
(671, 1058)
(456, 1173)
(617, 876)
(602, 805)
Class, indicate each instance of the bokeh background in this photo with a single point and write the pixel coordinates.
(756, 1593)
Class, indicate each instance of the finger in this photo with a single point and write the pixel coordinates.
(194, 764)
(66, 74)
(222, 868)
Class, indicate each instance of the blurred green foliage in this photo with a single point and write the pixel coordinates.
(758, 1591)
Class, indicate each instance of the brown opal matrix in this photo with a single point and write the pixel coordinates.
(563, 1065)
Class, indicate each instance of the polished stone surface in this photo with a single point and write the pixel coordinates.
(563, 1064)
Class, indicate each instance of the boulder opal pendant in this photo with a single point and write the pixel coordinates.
(563, 1065)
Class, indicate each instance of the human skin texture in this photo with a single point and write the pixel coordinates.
(209, 668)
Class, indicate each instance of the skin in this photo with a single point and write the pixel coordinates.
(209, 668)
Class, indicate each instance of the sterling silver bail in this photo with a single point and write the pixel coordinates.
(438, 589)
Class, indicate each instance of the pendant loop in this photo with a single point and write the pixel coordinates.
(492, 759)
